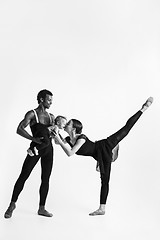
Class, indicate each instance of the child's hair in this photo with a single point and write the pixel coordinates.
(59, 117)
(77, 125)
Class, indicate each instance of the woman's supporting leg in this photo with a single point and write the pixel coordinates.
(104, 190)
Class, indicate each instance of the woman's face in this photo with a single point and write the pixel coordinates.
(69, 127)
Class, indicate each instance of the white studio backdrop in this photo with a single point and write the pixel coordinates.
(101, 61)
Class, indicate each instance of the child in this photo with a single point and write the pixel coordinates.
(45, 133)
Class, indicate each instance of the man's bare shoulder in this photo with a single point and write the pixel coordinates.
(30, 114)
(29, 118)
(52, 116)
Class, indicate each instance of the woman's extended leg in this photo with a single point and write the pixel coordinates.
(119, 135)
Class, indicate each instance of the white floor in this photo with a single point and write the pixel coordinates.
(74, 223)
(128, 216)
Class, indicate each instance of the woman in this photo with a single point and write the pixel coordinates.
(104, 151)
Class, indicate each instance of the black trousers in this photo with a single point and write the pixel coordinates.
(115, 139)
(46, 156)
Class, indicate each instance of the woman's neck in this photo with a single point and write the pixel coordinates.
(73, 136)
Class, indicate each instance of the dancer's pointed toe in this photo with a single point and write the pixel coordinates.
(147, 104)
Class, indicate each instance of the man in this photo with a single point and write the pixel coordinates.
(32, 118)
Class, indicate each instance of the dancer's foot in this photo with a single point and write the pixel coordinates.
(8, 213)
(97, 212)
(43, 212)
(146, 105)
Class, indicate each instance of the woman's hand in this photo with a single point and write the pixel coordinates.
(67, 148)
(57, 138)
(55, 141)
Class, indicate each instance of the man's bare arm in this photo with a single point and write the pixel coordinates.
(23, 124)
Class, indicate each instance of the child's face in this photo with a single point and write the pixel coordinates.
(62, 123)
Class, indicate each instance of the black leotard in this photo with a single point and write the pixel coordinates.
(100, 150)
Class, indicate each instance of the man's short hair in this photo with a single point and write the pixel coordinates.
(42, 94)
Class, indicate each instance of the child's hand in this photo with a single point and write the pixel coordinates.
(51, 128)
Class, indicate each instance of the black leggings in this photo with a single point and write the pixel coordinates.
(28, 165)
(114, 140)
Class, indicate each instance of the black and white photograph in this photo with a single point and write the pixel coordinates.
(80, 114)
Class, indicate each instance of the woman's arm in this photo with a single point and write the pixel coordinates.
(67, 149)
(53, 134)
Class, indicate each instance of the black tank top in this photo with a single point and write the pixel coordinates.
(37, 127)
(87, 149)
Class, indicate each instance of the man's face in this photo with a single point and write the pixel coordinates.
(47, 101)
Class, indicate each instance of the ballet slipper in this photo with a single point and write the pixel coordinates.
(148, 102)
(97, 212)
(8, 213)
(43, 212)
